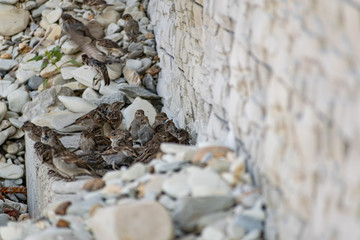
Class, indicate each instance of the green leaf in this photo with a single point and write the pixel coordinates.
(44, 84)
(58, 56)
(56, 49)
(44, 64)
(36, 58)
(76, 63)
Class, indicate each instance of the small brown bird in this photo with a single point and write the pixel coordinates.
(72, 26)
(98, 5)
(43, 151)
(145, 132)
(119, 156)
(34, 132)
(87, 142)
(95, 161)
(131, 27)
(109, 47)
(153, 146)
(160, 119)
(170, 127)
(114, 119)
(50, 138)
(120, 138)
(135, 124)
(69, 165)
(100, 67)
(88, 119)
(116, 106)
(182, 136)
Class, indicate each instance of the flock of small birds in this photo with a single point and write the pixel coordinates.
(98, 52)
(103, 144)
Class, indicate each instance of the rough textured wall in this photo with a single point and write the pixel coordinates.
(282, 77)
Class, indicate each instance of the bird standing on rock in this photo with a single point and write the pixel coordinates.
(73, 27)
(50, 138)
(131, 27)
(43, 151)
(109, 47)
(100, 67)
(69, 165)
(34, 132)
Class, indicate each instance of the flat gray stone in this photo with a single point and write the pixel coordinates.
(7, 64)
(188, 211)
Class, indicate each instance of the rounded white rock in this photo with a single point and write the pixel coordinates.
(76, 104)
(17, 100)
(10, 171)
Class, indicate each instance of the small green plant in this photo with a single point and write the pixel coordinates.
(53, 56)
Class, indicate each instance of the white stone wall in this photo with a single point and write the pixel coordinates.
(282, 77)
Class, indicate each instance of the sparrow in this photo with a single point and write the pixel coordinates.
(153, 146)
(119, 156)
(50, 138)
(95, 161)
(33, 131)
(135, 124)
(99, 66)
(131, 27)
(120, 138)
(170, 127)
(116, 106)
(182, 136)
(69, 165)
(43, 151)
(73, 27)
(87, 142)
(98, 5)
(145, 132)
(114, 119)
(160, 119)
(88, 119)
(109, 47)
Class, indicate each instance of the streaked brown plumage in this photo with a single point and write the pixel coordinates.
(131, 27)
(33, 131)
(50, 138)
(88, 119)
(73, 26)
(182, 136)
(170, 127)
(160, 119)
(120, 138)
(135, 124)
(98, 5)
(109, 47)
(119, 156)
(87, 142)
(153, 146)
(99, 66)
(69, 165)
(95, 161)
(43, 151)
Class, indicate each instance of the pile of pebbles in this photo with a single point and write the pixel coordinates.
(187, 192)
(51, 98)
(190, 192)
